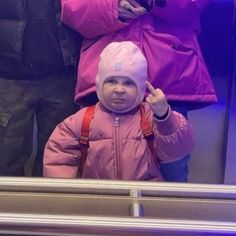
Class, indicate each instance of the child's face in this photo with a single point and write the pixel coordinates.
(119, 93)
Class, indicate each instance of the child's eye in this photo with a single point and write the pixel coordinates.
(129, 83)
(111, 81)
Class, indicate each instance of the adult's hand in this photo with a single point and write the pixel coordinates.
(130, 9)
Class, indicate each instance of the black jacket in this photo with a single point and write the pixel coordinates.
(33, 41)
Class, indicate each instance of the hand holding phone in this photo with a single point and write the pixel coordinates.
(130, 9)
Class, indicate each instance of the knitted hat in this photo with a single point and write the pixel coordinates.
(122, 59)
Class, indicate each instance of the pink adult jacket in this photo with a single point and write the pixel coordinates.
(116, 150)
(167, 37)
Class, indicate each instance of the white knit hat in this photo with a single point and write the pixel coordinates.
(122, 59)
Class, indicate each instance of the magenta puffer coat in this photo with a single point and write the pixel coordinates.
(167, 36)
(117, 151)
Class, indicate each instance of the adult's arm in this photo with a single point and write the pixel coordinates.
(92, 18)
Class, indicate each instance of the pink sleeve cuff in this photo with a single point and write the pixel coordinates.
(169, 125)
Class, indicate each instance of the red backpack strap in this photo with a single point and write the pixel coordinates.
(84, 137)
(148, 133)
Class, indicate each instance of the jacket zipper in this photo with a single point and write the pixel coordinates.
(117, 147)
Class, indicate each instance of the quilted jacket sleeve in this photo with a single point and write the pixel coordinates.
(62, 151)
(174, 137)
(91, 18)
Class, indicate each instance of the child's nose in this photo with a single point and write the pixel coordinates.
(119, 88)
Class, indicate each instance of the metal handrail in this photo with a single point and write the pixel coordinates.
(72, 225)
(41, 206)
(117, 187)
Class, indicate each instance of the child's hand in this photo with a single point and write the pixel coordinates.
(130, 9)
(157, 100)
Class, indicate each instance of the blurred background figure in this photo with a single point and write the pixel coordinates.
(38, 57)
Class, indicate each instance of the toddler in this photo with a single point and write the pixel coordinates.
(127, 138)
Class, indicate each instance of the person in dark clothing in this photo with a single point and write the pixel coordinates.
(38, 58)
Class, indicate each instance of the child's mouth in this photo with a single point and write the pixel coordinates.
(118, 101)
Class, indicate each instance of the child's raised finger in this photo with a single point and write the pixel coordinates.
(150, 88)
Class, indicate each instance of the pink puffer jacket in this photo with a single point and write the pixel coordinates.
(116, 152)
(167, 37)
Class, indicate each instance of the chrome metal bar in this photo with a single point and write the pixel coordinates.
(71, 225)
(117, 187)
(136, 208)
(40, 206)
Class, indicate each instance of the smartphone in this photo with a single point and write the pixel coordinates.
(146, 3)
